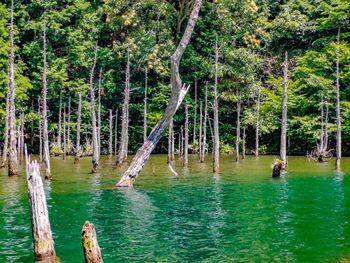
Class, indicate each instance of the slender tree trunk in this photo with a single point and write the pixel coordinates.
(200, 129)
(283, 150)
(78, 150)
(6, 136)
(204, 142)
(243, 144)
(185, 161)
(178, 93)
(238, 128)
(257, 125)
(18, 133)
(68, 127)
(338, 109)
(216, 146)
(46, 152)
(110, 144)
(95, 151)
(195, 114)
(64, 133)
(59, 137)
(13, 161)
(145, 109)
(99, 114)
(170, 141)
(116, 133)
(124, 140)
(91, 249)
(40, 132)
(44, 249)
(182, 141)
(179, 145)
(22, 137)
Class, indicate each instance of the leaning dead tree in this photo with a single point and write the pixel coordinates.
(322, 152)
(44, 249)
(46, 149)
(91, 249)
(283, 147)
(95, 153)
(178, 93)
(124, 137)
(78, 151)
(338, 110)
(216, 146)
(13, 160)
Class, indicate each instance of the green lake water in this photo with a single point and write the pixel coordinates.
(243, 215)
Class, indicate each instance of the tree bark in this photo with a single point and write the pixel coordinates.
(338, 109)
(238, 128)
(185, 160)
(116, 133)
(95, 151)
(91, 249)
(110, 144)
(124, 139)
(46, 149)
(195, 114)
(78, 150)
(200, 129)
(99, 114)
(216, 146)
(6, 136)
(13, 160)
(283, 149)
(205, 120)
(145, 108)
(178, 93)
(42, 237)
(257, 124)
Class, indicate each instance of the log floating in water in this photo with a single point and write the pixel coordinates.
(92, 252)
(42, 237)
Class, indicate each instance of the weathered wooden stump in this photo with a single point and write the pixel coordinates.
(42, 237)
(92, 251)
(277, 168)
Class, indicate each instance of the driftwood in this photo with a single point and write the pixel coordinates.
(92, 251)
(42, 237)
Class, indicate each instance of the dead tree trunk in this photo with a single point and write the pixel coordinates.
(40, 132)
(178, 93)
(46, 149)
(200, 129)
(78, 150)
(59, 137)
(99, 114)
(145, 109)
(185, 161)
(124, 140)
(6, 136)
(95, 153)
(13, 161)
(238, 127)
(257, 124)
(42, 237)
(116, 133)
(338, 109)
(179, 145)
(68, 127)
(216, 146)
(195, 115)
(205, 120)
(243, 144)
(182, 141)
(91, 249)
(110, 144)
(22, 137)
(283, 149)
(170, 141)
(64, 133)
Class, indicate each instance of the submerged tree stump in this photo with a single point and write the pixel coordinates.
(277, 168)
(92, 251)
(42, 237)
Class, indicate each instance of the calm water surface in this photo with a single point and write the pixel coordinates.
(242, 215)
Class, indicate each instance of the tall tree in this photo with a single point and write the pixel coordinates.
(338, 109)
(178, 93)
(216, 146)
(283, 147)
(13, 160)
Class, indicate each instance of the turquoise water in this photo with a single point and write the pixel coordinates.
(243, 215)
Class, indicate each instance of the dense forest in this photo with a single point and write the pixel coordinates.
(120, 50)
